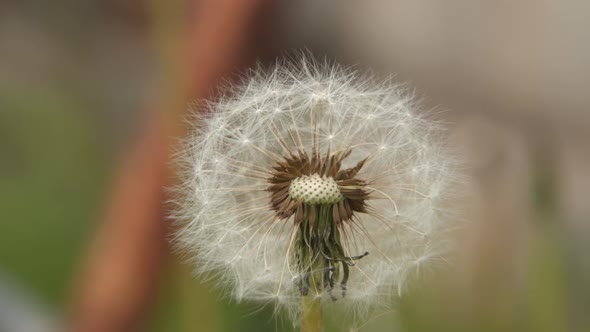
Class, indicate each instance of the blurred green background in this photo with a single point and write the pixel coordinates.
(73, 76)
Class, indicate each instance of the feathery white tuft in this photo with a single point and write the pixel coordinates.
(228, 227)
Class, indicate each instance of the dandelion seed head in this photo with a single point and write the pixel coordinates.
(311, 152)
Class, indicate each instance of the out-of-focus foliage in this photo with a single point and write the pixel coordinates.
(51, 175)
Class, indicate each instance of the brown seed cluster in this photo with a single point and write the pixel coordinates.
(301, 165)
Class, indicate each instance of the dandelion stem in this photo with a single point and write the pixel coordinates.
(311, 319)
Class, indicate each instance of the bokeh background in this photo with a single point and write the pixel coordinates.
(511, 77)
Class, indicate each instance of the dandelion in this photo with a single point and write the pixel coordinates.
(311, 183)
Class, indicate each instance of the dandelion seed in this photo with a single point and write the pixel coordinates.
(313, 180)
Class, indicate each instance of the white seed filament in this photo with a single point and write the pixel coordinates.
(314, 190)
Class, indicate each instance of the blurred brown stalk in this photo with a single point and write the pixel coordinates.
(123, 267)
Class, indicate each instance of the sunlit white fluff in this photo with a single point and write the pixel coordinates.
(228, 228)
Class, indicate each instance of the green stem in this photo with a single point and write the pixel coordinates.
(311, 305)
(311, 318)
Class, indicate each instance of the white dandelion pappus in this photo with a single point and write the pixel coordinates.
(311, 178)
